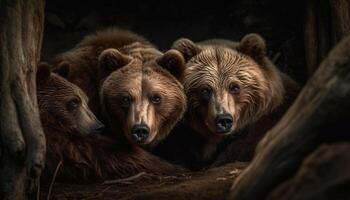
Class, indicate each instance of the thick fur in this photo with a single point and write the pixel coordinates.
(80, 64)
(265, 94)
(262, 89)
(97, 158)
(141, 79)
(100, 54)
(242, 147)
(85, 158)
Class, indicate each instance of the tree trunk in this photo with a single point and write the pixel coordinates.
(319, 114)
(326, 23)
(22, 140)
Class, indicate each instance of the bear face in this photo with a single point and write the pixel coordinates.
(63, 105)
(80, 64)
(143, 97)
(228, 88)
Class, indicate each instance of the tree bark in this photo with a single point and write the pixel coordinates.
(319, 114)
(326, 23)
(22, 139)
(326, 171)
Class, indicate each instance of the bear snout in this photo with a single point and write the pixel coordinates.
(140, 133)
(223, 123)
(98, 127)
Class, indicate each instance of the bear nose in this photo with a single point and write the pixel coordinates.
(140, 133)
(99, 127)
(223, 123)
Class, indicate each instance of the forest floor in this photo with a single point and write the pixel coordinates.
(210, 184)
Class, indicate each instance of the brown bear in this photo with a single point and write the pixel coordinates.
(67, 123)
(143, 97)
(235, 94)
(99, 54)
(80, 64)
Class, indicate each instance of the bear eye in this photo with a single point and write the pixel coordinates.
(73, 104)
(206, 94)
(125, 101)
(156, 99)
(235, 89)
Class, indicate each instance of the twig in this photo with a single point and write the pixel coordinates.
(124, 179)
(177, 178)
(235, 172)
(53, 180)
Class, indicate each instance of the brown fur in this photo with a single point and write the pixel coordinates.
(217, 67)
(64, 102)
(99, 54)
(80, 64)
(242, 148)
(140, 80)
(85, 158)
(261, 101)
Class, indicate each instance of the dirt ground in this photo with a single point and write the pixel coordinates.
(213, 183)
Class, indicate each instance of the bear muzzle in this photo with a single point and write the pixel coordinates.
(223, 124)
(98, 127)
(140, 133)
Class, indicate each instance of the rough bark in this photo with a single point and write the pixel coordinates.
(318, 115)
(326, 171)
(22, 139)
(326, 23)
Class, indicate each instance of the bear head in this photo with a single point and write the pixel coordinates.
(63, 105)
(228, 88)
(143, 98)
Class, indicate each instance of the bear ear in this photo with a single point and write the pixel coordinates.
(63, 69)
(254, 46)
(43, 73)
(112, 59)
(187, 48)
(174, 62)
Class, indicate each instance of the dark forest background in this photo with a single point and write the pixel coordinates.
(306, 149)
(162, 22)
